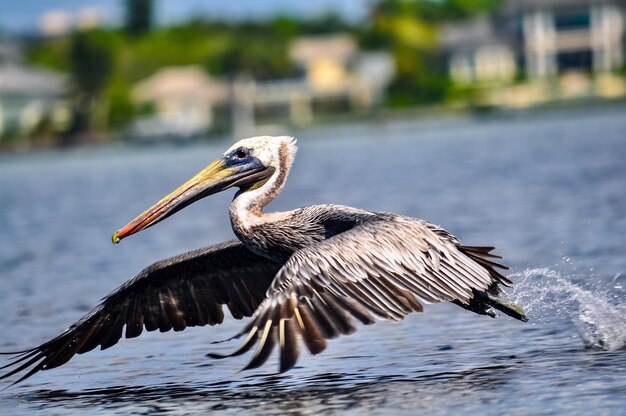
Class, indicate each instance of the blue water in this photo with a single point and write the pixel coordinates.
(548, 190)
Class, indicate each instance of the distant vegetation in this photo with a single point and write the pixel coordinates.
(104, 63)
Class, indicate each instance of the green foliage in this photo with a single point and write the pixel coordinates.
(425, 88)
(420, 78)
(409, 28)
(90, 58)
(459, 9)
(121, 108)
(141, 57)
(434, 11)
(262, 57)
(51, 54)
(91, 61)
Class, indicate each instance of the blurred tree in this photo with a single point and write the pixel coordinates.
(138, 16)
(325, 23)
(409, 28)
(284, 26)
(460, 9)
(51, 53)
(261, 57)
(121, 109)
(91, 61)
(91, 65)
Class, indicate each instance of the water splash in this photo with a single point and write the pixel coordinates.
(599, 316)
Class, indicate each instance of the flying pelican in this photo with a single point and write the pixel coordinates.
(302, 275)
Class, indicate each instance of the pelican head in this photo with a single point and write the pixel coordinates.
(247, 164)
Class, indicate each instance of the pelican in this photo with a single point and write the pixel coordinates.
(302, 276)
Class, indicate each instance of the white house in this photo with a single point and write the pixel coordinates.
(183, 98)
(538, 39)
(29, 96)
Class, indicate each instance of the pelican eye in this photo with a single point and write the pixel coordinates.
(242, 153)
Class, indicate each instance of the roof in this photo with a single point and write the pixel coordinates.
(20, 80)
(468, 32)
(10, 52)
(524, 4)
(190, 81)
(337, 47)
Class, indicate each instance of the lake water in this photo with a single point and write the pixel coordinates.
(548, 190)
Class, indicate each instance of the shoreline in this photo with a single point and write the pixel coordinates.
(433, 117)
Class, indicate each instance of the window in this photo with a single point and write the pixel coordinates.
(580, 61)
(572, 20)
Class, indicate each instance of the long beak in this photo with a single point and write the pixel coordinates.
(214, 178)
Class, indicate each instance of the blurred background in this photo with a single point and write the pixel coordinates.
(149, 71)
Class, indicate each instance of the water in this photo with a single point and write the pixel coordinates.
(549, 191)
(598, 314)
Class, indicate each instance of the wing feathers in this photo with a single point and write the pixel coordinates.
(90, 336)
(266, 344)
(385, 267)
(355, 309)
(187, 290)
(289, 349)
(112, 331)
(311, 333)
(134, 320)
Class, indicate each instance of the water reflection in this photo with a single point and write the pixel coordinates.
(338, 391)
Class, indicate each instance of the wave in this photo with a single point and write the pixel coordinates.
(597, 313)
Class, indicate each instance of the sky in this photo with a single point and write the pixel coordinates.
(23, 16)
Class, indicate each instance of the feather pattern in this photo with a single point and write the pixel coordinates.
(186, 290)
(385, 266)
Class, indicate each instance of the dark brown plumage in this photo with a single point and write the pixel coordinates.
(186, 290)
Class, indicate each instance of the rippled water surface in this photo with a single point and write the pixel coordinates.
(549, 191)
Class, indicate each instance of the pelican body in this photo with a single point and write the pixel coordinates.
(302, 276)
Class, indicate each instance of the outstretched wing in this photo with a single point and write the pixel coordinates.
(186, 290)
(383, 268)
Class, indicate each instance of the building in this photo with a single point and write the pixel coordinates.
(29, 96)
(334, 68)
(183, 101)
(538, 39)
(336, 76)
